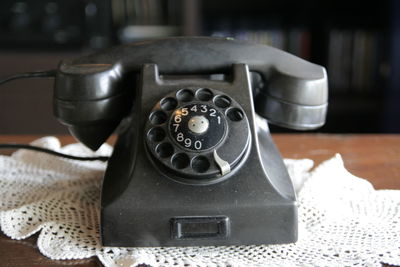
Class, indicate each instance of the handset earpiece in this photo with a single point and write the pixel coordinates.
(292, 101)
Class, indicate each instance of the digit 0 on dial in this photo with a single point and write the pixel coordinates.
(197, 126)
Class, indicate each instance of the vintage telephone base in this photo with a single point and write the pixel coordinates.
(142, 207)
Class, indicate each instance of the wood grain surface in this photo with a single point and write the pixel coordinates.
(373, 157)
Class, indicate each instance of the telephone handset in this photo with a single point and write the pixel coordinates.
(193, 164)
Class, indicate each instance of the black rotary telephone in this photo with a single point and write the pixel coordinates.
(194, 163)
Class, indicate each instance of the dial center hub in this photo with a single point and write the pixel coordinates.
(198, 124)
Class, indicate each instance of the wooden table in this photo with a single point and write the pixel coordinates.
(373, 157)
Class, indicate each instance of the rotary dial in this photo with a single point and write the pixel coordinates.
(197, 135)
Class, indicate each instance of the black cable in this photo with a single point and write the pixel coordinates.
(41, 74)
(34, 74)
(51, 152)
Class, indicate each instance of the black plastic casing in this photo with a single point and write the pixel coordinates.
(143, 207)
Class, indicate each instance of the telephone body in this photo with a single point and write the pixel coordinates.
(194, 163)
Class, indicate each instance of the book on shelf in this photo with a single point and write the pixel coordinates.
(353, 60)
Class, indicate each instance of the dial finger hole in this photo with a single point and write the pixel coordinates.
(156, 134)
(222, 101)
(204, 94)
(168, 103)
(158, 117)
(200, 164)
(180, 161)
(184, 95)
(164, 150)
(235, 114)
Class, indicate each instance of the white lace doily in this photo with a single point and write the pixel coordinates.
(343, 221)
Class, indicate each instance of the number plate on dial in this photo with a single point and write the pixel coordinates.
(197, 126)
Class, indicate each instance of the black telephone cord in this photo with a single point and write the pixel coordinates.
(41, 74)
(34, 74)
(51, 152)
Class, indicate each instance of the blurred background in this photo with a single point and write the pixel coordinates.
(357, 41)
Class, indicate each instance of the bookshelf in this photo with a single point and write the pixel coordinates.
(357, 41)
